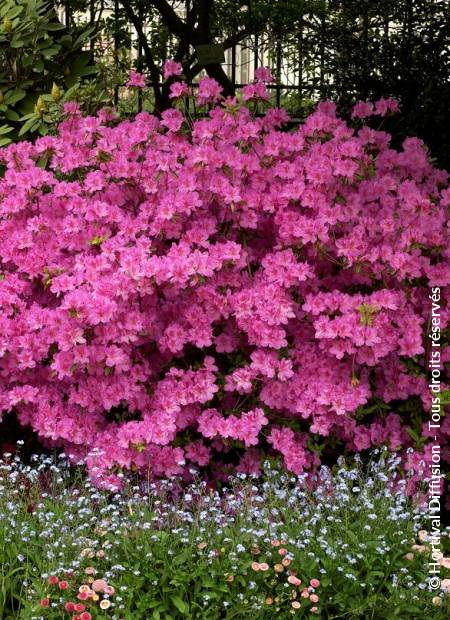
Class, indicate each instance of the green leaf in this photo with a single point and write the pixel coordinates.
(42, 163)
(66, 41)
(53, 26)
(412, 609)
(30, 115)
(70, 92)
(180, 604)
(181, 558)
(13, 96)
(5, 129)
(50, 51)
(12, 115)
(79, 62)
(152, 604)
(31, 125)
(38, 66)
(353, 538)
(84, 36)
(14, 12)
(445, 397)
(27, 60)
(16, 42)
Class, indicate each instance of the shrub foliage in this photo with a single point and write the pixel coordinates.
(38, 59)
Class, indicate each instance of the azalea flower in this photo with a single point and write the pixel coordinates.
(209, 91)
(178, 89)
(172, 68)
(136, 79)
(264, 74)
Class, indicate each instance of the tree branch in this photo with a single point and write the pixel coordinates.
(154, 72)
(238, 36)
(203, 31)
(173, 21)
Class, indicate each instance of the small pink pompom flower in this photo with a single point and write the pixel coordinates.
(305, 593)
(99, 585)
(293, 580)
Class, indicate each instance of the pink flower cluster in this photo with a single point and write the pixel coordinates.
(245, 428)
(136, 79)
(382, 107)
(174, 292)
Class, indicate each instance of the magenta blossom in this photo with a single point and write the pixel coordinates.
(172, 119)
(171, 68)
(178, 90)
(386, 106)
(72, 108)
(136, 79)
(363, 109)
(209, 91)
(255, 92)
(264, 74)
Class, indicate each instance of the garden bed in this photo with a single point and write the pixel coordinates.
(347, 543)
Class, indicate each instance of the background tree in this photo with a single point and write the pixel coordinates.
(338, 49)
(183, 26)
(345, 50)
(393, 48)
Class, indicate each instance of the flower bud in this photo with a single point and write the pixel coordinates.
(40, 108)
(7, 24)
(55, 93)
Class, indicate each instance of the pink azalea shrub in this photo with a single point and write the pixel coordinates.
(176, 293)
